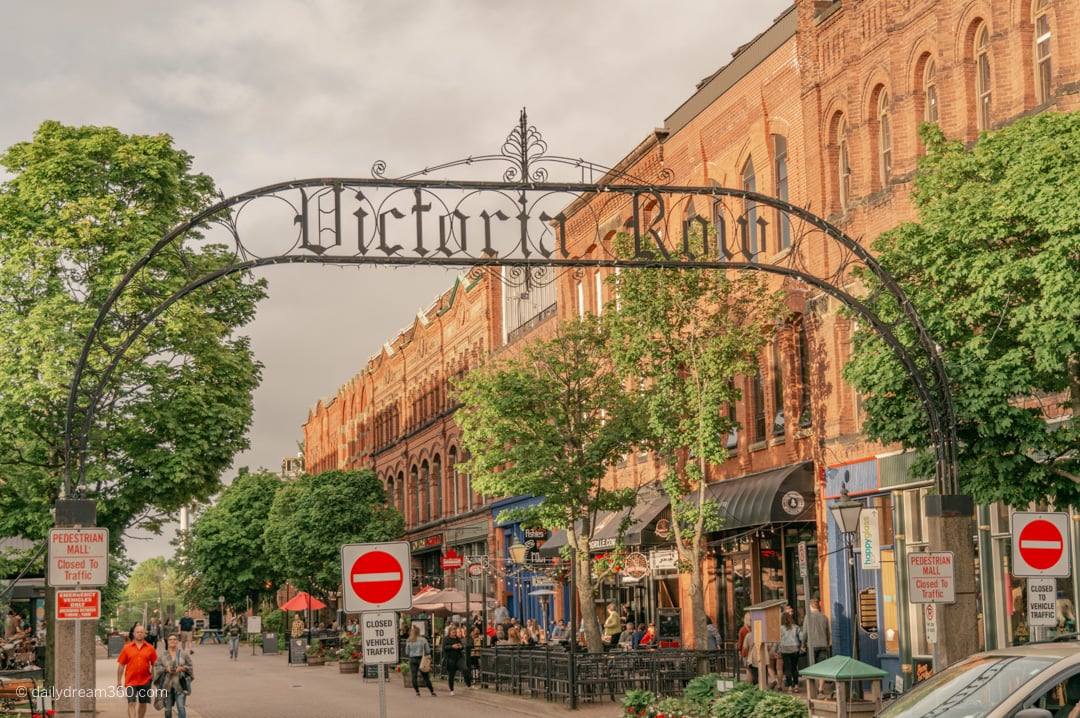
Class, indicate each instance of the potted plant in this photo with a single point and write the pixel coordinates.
(316, 656)
(403, 668)
(349, 654)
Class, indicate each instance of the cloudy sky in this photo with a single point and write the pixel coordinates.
(263, 91)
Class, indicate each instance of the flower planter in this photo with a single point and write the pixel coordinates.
(406, 679)
(349, 667)
(315, 660)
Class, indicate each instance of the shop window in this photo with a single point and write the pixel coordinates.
(802, 351)
(778, 388)
(1043, 64)
(889, 612)
(757, 396)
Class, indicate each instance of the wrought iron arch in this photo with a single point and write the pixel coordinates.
(520, 228)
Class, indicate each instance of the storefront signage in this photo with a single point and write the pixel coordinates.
(664, 561)
(635, 566)
(535, 534)
(930, 577)
(426, 543)
(1042, 602)
(601, 544)
(869, 539)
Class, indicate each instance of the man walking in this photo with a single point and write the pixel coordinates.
(135, 671)
(816, 635)
(187, 627)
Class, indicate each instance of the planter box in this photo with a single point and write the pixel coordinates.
(349, 667)
(315, 660)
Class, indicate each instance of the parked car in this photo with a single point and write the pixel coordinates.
(1040, 680)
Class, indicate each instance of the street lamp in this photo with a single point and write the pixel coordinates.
(845, 511)
(517, 551)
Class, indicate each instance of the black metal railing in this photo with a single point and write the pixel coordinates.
(544, 672)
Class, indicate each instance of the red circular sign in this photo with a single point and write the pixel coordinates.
(475, 569)
(1040, 544)
(376, 577)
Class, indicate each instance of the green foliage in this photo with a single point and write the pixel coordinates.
(551, 423)
(683, 336)
(739, 702)
(82, 204)
(153, 584)
(311, 519)
(681, 708)
(701, 690)
(991, 267)
(779, 706)
(224, 554)
(637, 700)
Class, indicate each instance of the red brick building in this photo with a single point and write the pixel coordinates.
(822, 109)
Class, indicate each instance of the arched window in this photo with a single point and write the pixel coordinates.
(781, 171)
(750, 228)
(757, 397)
(1043, 67)
(581, 299)
(418, 494)
(437, 479)
(425, 481)
(930, 109)
(884, 139)
(452, 474)
(802, 354)
(843, 166)
(399, 495)
(982, 77)
(599, 293)
(778, 388)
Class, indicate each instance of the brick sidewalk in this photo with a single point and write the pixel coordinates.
(267, 686)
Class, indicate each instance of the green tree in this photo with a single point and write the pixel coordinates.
(224, 553)
(80, 206)
(551, 423)
(992, 266)
(312, 518)
(683, 335)
(152, 586)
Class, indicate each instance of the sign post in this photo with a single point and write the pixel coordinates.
(375, 582)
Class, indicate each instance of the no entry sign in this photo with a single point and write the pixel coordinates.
(1040, 543)
(375, 576)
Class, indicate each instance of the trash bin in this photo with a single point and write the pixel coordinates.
(116, 644)
(269, 643)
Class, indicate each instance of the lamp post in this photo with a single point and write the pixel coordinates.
(517, 552)
(845, 511)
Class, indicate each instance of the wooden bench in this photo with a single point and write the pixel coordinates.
(16, 693)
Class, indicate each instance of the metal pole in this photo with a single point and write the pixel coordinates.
(572, 645)
(854, 597)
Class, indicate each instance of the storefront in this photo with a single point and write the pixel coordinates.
(768, 537)
(426, 561)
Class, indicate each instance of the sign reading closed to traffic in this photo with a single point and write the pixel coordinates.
(380, 636)
(1042, 602)
(930, 577)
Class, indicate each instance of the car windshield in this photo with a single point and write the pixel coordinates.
(970, 689)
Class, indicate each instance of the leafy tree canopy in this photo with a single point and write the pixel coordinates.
(683, 336)
(992, 267)
(82, 204)
(224, 554)
(312, 518)
(551, 423)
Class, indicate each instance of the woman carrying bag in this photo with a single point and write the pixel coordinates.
(418, 651)
(173, 674)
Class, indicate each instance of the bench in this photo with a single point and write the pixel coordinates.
(16, 692)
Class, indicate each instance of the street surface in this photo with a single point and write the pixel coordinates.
(268, 687)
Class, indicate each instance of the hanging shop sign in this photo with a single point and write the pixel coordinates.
(869, 539)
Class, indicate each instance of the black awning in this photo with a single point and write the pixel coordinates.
(770, 497)
(641, 517)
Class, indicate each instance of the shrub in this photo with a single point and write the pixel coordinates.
(738, 702)
(702, 690)
(681, 708)
(779, 706)
(637, 702)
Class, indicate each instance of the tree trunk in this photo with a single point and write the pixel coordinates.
(593, 638)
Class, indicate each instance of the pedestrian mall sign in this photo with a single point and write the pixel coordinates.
(78, 557)
(1040, 545)
(930, 577)
(374, 576)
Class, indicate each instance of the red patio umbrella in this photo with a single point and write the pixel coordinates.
(302, 601)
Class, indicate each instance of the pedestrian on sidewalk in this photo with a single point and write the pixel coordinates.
(816, 636)
(417, 649)
(173, 674)
(134, 671)
(187, 630)
(232, 632)
(791, 645)
(454, 657)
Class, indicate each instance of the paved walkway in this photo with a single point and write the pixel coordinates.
(268, 687)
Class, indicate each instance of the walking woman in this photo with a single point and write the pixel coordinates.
(172, 678)
(232, 632)
(417, 648)
(454, 657)
(791, 642)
